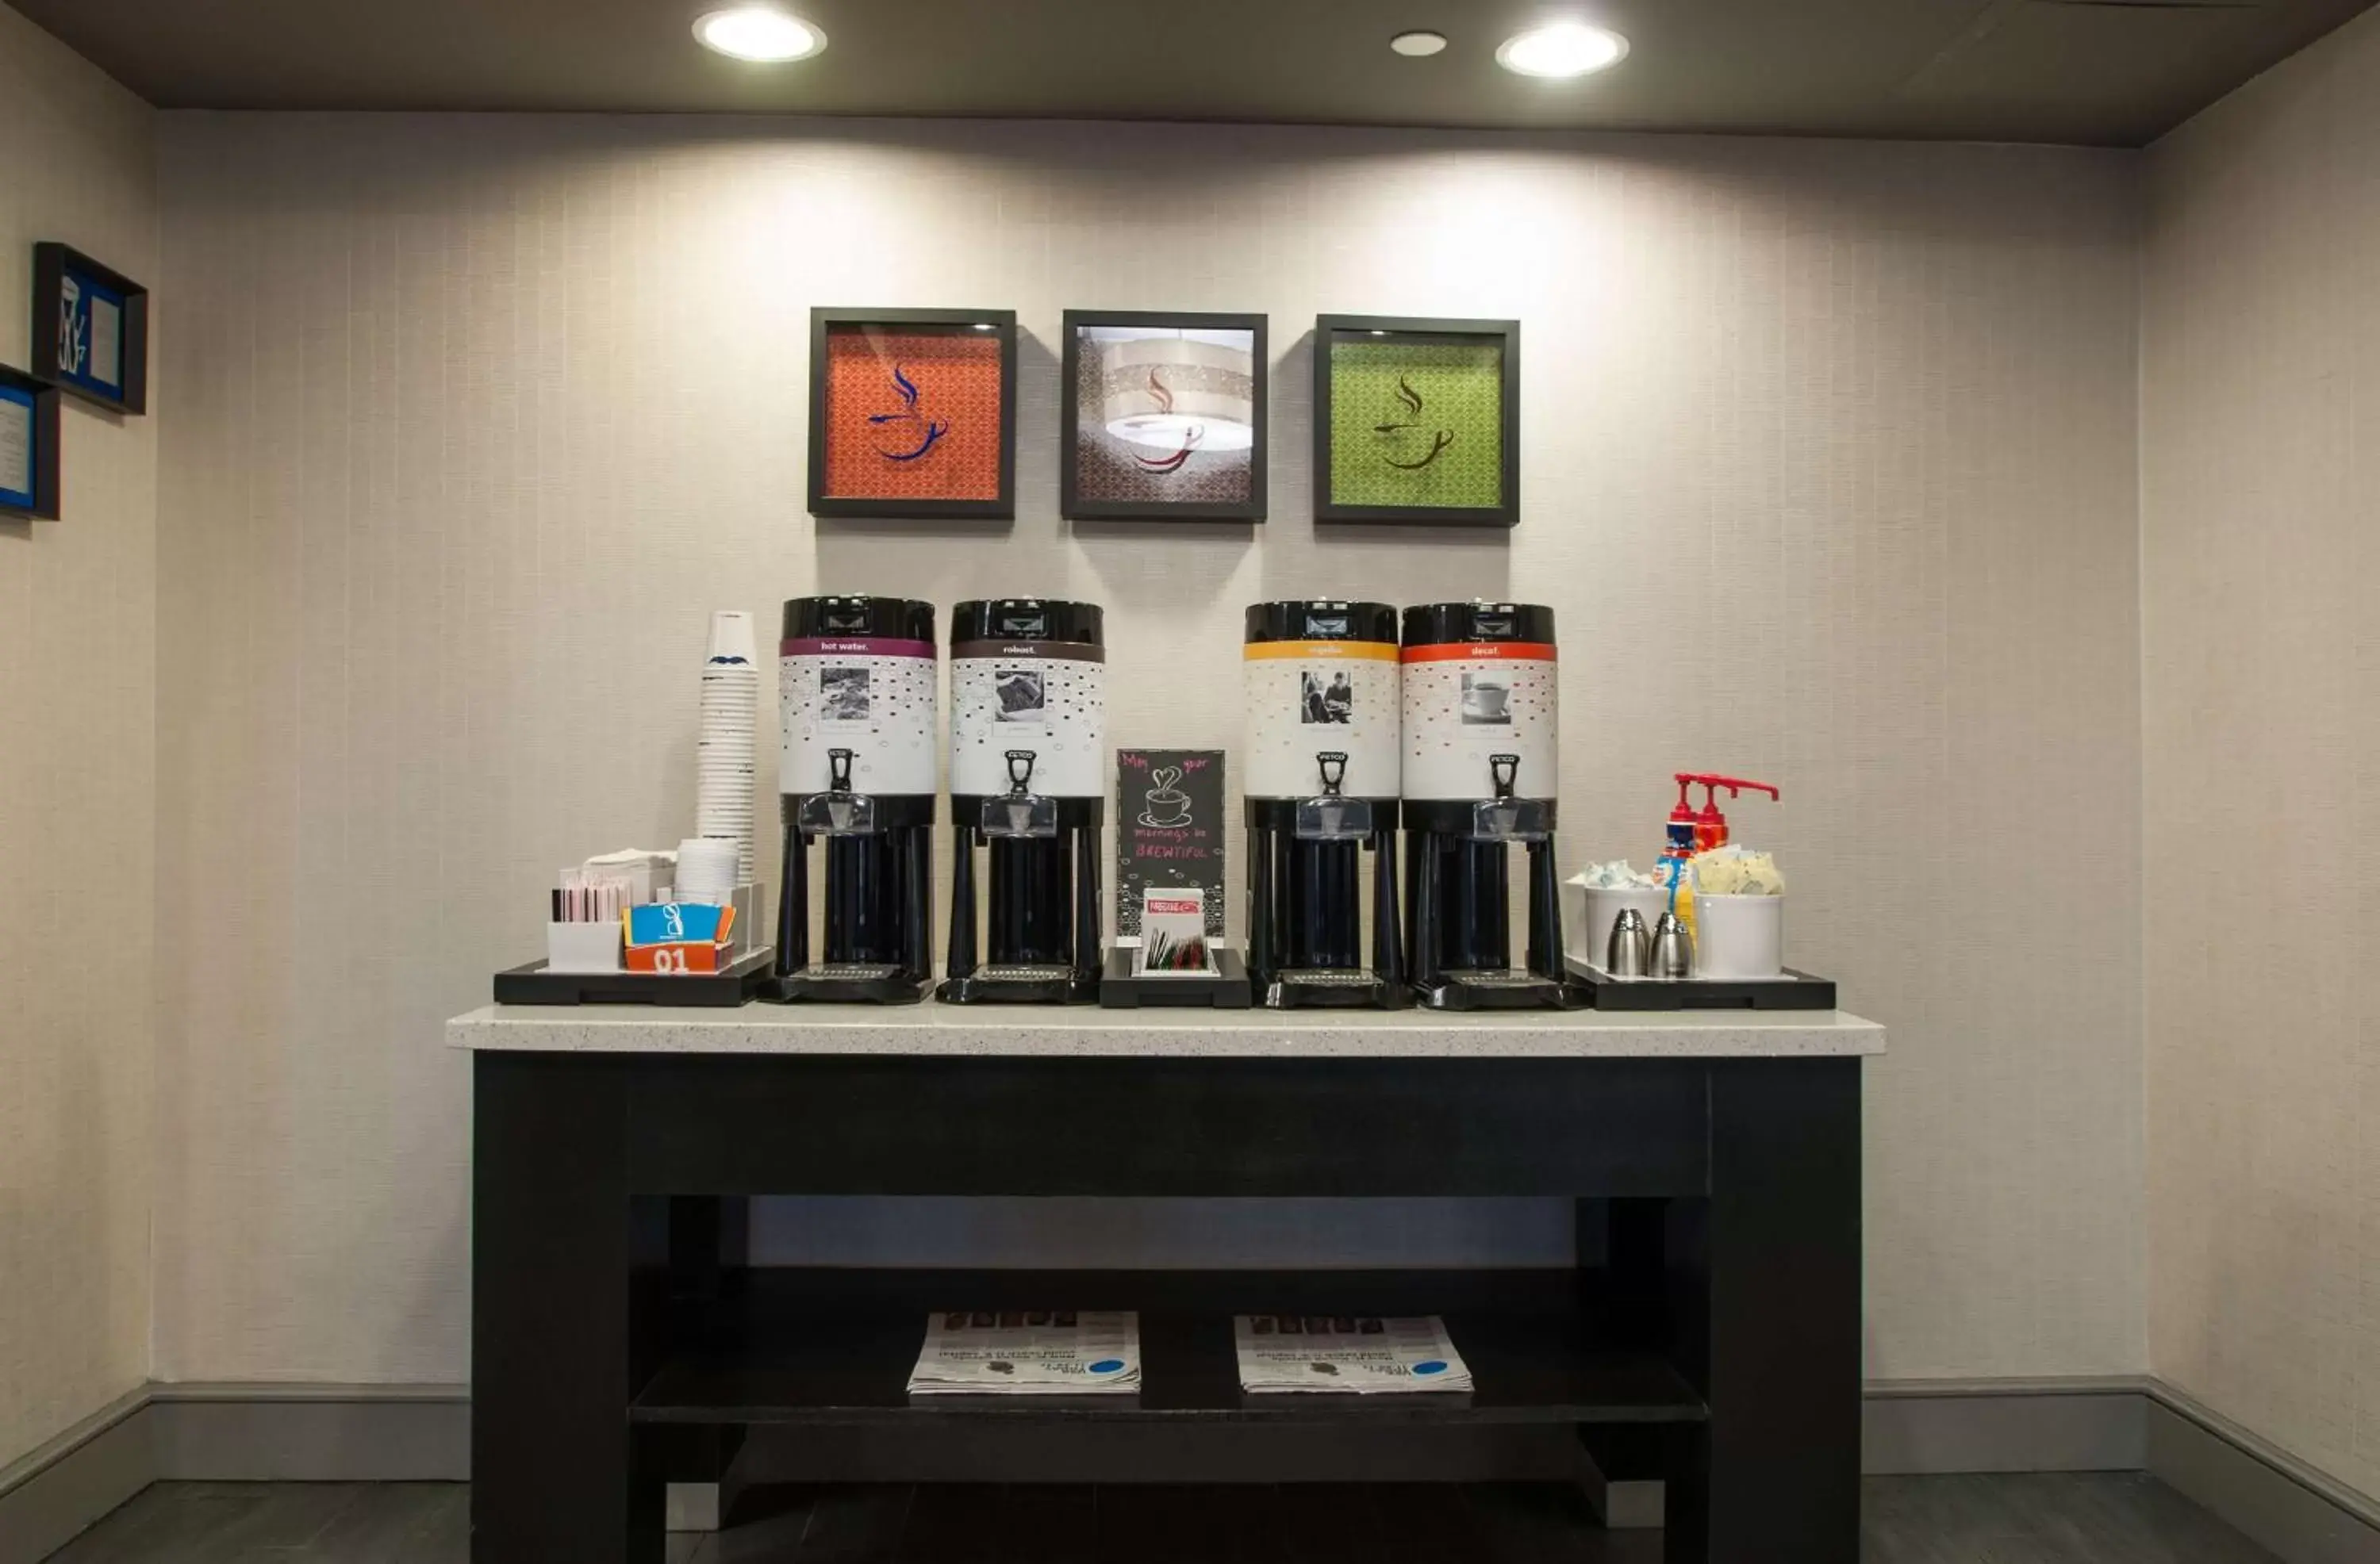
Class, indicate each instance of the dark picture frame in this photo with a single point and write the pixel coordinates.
(1419, 332)
(827, 321)
(58, 269)
(43, 503)
(1074, 505)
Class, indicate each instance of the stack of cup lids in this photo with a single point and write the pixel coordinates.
(724, 780)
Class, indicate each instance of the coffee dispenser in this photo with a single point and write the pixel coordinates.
(857, 706)
(1028, 774)
(1322, 719)
(1479, 776)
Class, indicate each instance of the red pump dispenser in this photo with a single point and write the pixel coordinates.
(1679, 833)
(1710, 826)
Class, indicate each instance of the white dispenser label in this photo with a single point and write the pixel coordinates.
(1304, 698)
(872, 696)
(1466, 705)
(1046, 697)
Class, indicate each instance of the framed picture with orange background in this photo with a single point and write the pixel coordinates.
(913, 413)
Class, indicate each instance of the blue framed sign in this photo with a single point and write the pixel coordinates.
(90, 330)
(29, 447)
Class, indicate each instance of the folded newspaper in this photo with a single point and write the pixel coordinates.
(1347, 1355)
(1032, 1353)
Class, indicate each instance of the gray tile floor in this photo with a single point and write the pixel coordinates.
(2075, 1519)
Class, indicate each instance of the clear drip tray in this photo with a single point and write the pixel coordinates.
(1020, 815)
(1334, 820)
(1510, 819)
(836, 813)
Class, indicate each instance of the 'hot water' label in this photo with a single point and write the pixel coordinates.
(872, 695)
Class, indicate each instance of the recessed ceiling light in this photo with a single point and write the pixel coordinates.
(1417, 44)
(1563, 49)
(759, 32)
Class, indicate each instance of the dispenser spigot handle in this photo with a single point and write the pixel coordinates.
(1505, 817)
(1020, 772)
(838, 811)
(1333, 764)
(1020, 812)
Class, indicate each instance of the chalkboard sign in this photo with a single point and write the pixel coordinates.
(1169, 830)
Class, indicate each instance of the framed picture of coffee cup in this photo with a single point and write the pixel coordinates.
(913, 413)
(90, 330)
(1416, 420)
(29, 447)
(1163, 417)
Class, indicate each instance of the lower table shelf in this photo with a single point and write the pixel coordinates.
(1176, 1524)
(827, 1346)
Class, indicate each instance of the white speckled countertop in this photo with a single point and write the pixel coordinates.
(1051, 1031)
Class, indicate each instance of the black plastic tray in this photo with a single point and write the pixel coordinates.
(1795, 991)
(1226, 988)
(532, 985)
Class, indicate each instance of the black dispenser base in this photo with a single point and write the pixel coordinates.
(862, 985)
(1068, 923)
(1497, 990)
(1327, 989)
(1020, 985)
(879, 892)
(1226, 988)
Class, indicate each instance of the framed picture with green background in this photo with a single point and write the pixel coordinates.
(1416, 420)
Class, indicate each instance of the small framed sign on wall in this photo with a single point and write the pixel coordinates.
(913, 413)
(1417, 421)
(29, 447)
(90, 330)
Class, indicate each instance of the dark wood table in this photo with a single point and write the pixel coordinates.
(618, 1342)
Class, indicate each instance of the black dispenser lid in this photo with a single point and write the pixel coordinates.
(899, 619)
(1320, 619)
(1027, 619)
(1437, 625)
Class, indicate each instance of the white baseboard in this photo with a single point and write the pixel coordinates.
(1921, 1426)
(2304, 1516)
(311, 1433)
(229, 1433)
(387, 1433)
(64, 1485)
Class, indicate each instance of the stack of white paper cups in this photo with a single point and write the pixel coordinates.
(723, 776)
(706, 871)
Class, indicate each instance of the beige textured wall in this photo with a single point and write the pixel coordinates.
(1829, 473)
(78, 786)
(2261, 695)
